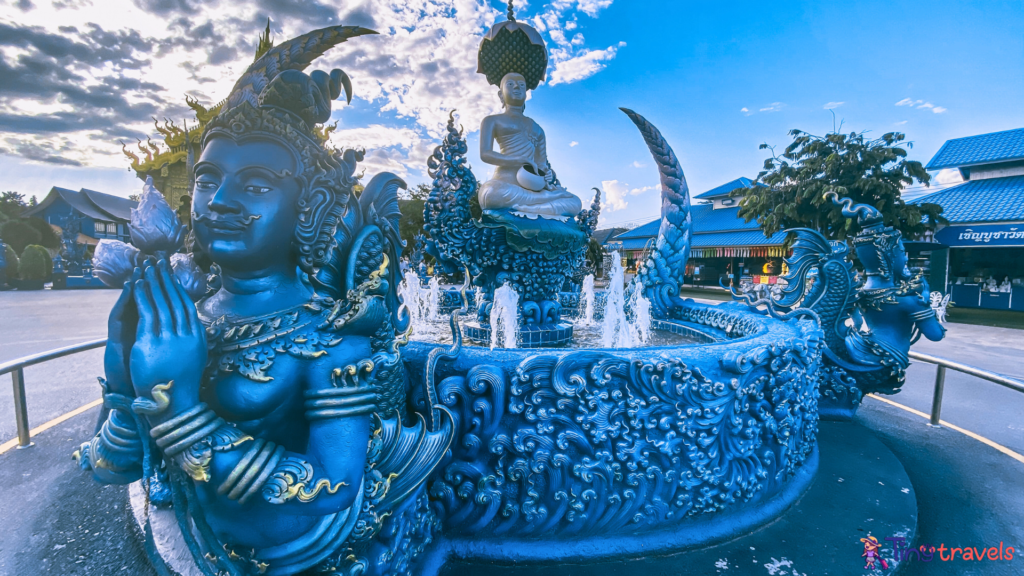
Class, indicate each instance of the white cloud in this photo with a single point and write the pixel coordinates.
(638, 164)
(573, 144)
(744, 109)
(921, 105)
(582, 66)
(639, 191)
(833, 105)
(614, 195)
(773, 107)
(592, 7)
(900, 123)
(419, 68)
(948, 176)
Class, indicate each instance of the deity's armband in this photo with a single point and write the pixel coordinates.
(117, 448)
(353, 393)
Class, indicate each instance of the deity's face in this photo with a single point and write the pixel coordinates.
(244, 211)
(513, 89)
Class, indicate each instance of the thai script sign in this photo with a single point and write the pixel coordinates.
(982, 235)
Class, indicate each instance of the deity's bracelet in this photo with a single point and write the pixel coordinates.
(117, 447)
(190, 439)
(185, 429)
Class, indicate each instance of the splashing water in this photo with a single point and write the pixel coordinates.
(640, 311)
(412, 296)
(587, 296)
(433, 301)
(505, 318)
(616, 331)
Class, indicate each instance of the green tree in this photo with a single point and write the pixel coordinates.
(789, 192)
(19, 234)
(35, 263)
(11, 204)
(12, 261)
(47, 237)
(411, 202)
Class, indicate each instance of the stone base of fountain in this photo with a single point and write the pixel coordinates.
(530, 336)
(860, 489)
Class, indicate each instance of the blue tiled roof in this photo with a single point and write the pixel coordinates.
(991, 200)
(705, 220)
(630, 243)
(714, 240)
(742, 238)
(981, 149)
(724, 189)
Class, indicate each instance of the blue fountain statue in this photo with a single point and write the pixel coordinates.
(261, 384)
(533, 234)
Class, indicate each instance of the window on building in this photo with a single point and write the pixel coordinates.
(100, 227)
(112, 228)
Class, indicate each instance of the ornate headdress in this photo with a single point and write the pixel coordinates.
(274, 99)
(876, 243)
(511, 46)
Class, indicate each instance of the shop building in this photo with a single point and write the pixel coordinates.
(981, 258)
(724, 248)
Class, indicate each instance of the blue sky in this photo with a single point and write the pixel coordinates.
(717, 78)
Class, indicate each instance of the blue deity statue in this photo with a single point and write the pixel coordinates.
(72, 251)
(270, 399)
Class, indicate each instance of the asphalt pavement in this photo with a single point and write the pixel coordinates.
(57, 521)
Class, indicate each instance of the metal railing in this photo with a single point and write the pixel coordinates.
(940, 379)
(16, 368)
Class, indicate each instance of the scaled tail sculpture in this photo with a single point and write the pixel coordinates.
(662, 273)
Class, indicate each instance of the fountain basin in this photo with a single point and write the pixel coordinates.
(581, 454)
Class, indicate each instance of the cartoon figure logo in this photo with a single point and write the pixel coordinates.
(871, 548)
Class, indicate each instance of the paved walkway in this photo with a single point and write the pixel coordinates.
(56, 517)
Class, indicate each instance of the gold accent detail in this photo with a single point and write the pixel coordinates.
(158, 404)
(305, 495)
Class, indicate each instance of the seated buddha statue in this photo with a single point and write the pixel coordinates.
(522, 181)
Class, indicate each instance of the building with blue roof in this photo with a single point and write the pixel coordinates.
(721, 241)
(103, 215)
(983, 256)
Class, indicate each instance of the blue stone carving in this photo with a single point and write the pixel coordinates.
(869, 322)
(535, 256)
(262, 382)
(72, 251)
